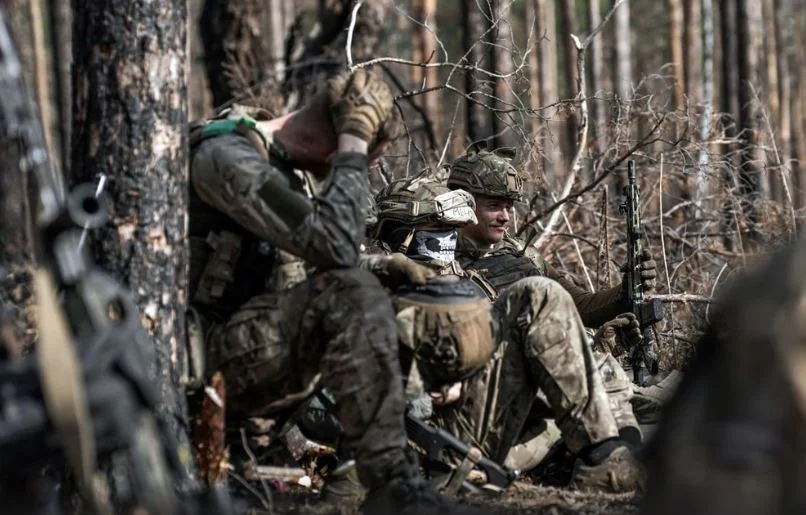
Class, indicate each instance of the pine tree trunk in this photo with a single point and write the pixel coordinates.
(424, 48)
(568, 27)
(693, 67)
(130, 125)
(598, 123)
(798, 118)
(729, 106)
(503, 65)
(676, 46)
(703, 159)
(233, 49)
(474, 24)
(784, 40)
(751, 178)
(547, 56)
(623, 51)
(773, 104)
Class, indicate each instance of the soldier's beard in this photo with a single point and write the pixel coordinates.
(429, 244)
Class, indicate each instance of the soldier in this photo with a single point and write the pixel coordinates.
(490, 367)
(334, 328)
(501, 259)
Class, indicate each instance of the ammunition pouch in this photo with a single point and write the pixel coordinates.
(219, 270)
(449, 327)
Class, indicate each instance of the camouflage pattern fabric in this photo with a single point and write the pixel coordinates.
(229, 175)
(338, 322)
(543, 347)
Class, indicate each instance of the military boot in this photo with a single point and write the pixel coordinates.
(618, 472)
(342, 485)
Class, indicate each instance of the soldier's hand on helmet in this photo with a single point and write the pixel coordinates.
(360, 103)
(618, 335)
(648, 270)
(399, 270)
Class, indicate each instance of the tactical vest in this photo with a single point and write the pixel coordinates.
(228, 264)
(504, 268)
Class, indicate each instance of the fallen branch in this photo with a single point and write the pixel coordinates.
(681, 297)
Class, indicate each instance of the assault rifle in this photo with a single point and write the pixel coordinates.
(648, 312)
(433, 442)
(83, 398)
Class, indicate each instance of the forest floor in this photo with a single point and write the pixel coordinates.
(521, 498)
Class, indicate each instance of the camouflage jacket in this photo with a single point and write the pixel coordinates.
(509, 261)
(250, 211)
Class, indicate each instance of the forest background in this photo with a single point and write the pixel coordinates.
(707, 96)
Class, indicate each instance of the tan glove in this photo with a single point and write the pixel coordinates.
(648, 269)
(360, 103)
(399, 270)
(618, 335)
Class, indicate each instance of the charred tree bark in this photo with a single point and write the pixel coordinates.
(130, 121)
(474, 25)
(233, 50)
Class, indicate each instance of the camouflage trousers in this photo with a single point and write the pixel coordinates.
(338, 325)
(544, 369)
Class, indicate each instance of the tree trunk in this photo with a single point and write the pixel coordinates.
(474, 24)
(623, 51)
(693, 66)
(233, 50)
(503, 64)
(773, 106)
(751, 185)
(424, 49)
(567, 27)
(729, 106)
(703, 159)
(798, 118)
(783, 35)
(598, 119)
(549, 91)
(676, 47)
(130, 125)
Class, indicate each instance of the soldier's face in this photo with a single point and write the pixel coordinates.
(493, 215)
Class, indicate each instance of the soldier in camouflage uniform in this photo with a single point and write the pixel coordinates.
(533, 358)
(334, 328)
(501, 259)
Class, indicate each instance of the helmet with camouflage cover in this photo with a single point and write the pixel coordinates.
(422, 199)
(489, 173)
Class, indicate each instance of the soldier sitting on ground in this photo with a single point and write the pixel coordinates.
(491, 250)
(336, 327)
(495, 365)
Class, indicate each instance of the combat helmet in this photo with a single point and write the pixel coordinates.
(420, 200)
(484, 172)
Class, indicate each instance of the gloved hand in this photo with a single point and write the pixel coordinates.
(648, 272)
(360, 103)
(399, 270)
(618, 335)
